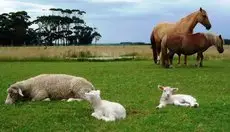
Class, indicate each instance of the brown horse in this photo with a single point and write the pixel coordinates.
(189, 44)
(185, 25)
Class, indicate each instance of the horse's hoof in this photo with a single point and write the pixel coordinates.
(170, 66)
(167, 66)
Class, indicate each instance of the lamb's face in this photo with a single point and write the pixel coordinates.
(13, 94)
(92, 95)
(167, 91)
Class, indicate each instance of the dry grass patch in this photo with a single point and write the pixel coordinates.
(20, 53)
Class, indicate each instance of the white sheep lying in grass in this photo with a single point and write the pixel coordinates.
(49, 86)
(167, 97)
(103, 109)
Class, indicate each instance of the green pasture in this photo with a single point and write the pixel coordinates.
(131, 83)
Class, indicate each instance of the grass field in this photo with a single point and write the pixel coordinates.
(131, 83)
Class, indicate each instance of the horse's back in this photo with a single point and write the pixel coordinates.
(173, 41)
(161, 29)
(185, 43)
(194, 39)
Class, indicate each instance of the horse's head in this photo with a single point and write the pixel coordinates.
(219, 44)
(202, 18)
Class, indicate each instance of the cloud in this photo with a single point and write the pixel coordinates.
(33, 9)
(115, 1)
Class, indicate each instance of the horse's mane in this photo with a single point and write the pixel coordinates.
(184, 19)
(212, 38)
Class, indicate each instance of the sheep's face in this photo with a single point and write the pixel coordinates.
(92, 95)
(13, 94)
(167, 91)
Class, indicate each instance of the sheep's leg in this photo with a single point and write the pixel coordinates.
(40, 96)
(177, 103)
(47, 99)
(73, 99)
(161, 106)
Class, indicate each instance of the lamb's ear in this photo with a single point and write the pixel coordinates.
(160, 87)
(99, 92)
(20, 92)
(175, 89)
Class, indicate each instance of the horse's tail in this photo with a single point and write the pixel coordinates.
(154, 48)
(164, 55)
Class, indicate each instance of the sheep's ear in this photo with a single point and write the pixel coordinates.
(20, 92)
(87, 94)
(160, 87)
(12, 90)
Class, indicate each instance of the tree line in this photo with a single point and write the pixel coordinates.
(60, 27)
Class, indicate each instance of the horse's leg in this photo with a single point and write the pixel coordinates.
(178, 59)
(164, 57)
(201, 59)
(171, 54)
(185, 60)
(197, 60)
(158, 55)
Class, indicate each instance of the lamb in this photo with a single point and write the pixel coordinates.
(103, 109)
(49, 86)
(177, 99)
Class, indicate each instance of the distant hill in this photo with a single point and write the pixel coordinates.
(134, 43)
(227, 41)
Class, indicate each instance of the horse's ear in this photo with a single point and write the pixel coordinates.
(220, 36)
(201, 9)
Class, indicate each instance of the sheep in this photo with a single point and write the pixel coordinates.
(49, 86)
(167, 97)
(103, 109)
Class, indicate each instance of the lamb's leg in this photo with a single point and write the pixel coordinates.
(73, 99)
(97, 115)
(194, 104)
(177, 103)
(111, 118)
(160, 106)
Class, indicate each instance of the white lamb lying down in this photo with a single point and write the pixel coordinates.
(103, 109)
(167, 97)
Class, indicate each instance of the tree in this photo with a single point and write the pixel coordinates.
(13, 27)
(65, 27)
(61, 27)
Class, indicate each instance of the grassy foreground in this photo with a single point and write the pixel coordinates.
(131, 83)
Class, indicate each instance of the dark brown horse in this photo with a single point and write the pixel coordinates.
(188, 44)
(185, 25)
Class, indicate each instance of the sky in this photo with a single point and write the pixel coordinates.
(130, 20)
